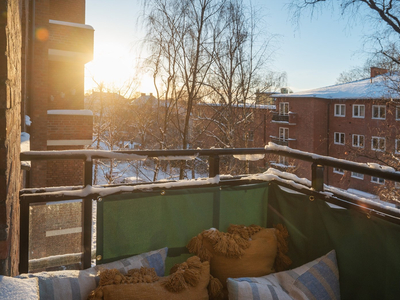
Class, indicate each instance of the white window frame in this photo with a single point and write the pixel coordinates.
(342, 110)
(283, 108)
(378, 139)
(250, 136)
(358, 140)
(397, 113)
(377, 180)
(285, 133)
(357, 175)
(283, 160)
(359, 106)
(397, 146)
(339, 135)
(338, 171)
(379, 108)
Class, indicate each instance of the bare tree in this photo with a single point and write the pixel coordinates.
(180, 38)
(237, 72)
(112, 123)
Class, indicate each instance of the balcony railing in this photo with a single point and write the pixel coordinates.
(279, 141)
(215, 185)
(280, 118)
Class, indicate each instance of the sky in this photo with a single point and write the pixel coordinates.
(313, 53)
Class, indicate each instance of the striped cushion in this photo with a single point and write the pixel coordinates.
(318, 279)
(255, 288)
(76, 285)
(153, 259)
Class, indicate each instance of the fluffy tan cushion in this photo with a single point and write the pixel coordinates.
(241, 252)
(187, 281)
(258, 259)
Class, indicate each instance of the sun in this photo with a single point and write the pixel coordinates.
(114, 66)
(147, 85)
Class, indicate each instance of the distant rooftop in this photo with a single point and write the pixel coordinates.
(380, 87)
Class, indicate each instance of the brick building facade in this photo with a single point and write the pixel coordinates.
(62, 45)
(356, 121)
(46, 44)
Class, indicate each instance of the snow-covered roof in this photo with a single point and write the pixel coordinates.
(380, 87)
(248, 105)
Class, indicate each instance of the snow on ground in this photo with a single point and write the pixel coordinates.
(25, 146)
(28, 121)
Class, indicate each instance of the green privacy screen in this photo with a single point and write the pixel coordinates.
(139, 222)
(368, 249)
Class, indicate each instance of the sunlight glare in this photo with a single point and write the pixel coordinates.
(115, 66)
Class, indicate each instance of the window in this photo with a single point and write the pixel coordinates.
(249, 136)
(339, 138)
(397, 185)
(397, 147)
(282, 160)
(398, 113)
(378, 143)
(358, 111)
(283, 108)
(340, 110)
(379, 112)
(358, 140)
(283, 133)
(357, 175)
(338, 171)
(377, 180)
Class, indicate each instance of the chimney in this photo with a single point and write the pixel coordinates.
(143, 94)
(151, 94)
(377, 71)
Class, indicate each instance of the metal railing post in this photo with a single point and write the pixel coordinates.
(87, 217)
(24, 237)
(317, 177)
(213, 162)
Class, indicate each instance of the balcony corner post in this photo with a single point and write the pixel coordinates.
(87, 217)
(317, 177)
(213, 165)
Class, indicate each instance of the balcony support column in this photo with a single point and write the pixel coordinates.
(213, 168)
(317, 177)
(87, 218)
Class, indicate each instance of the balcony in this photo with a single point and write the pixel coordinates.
(70, 41)
(132, 218)
(279, 141)
(289, 118)
(280, 118)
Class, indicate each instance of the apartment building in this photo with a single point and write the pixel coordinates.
(356, 121)
(58, 45)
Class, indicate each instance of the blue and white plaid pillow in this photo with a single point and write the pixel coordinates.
(255, 288)
(318, 279)
(77, 285)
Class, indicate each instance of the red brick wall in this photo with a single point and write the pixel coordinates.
(312, 135)
(68, 10)
(70, 38)
(66, 85)
(368, 127)
(64, 172)
(69, 127)
(40, 94)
